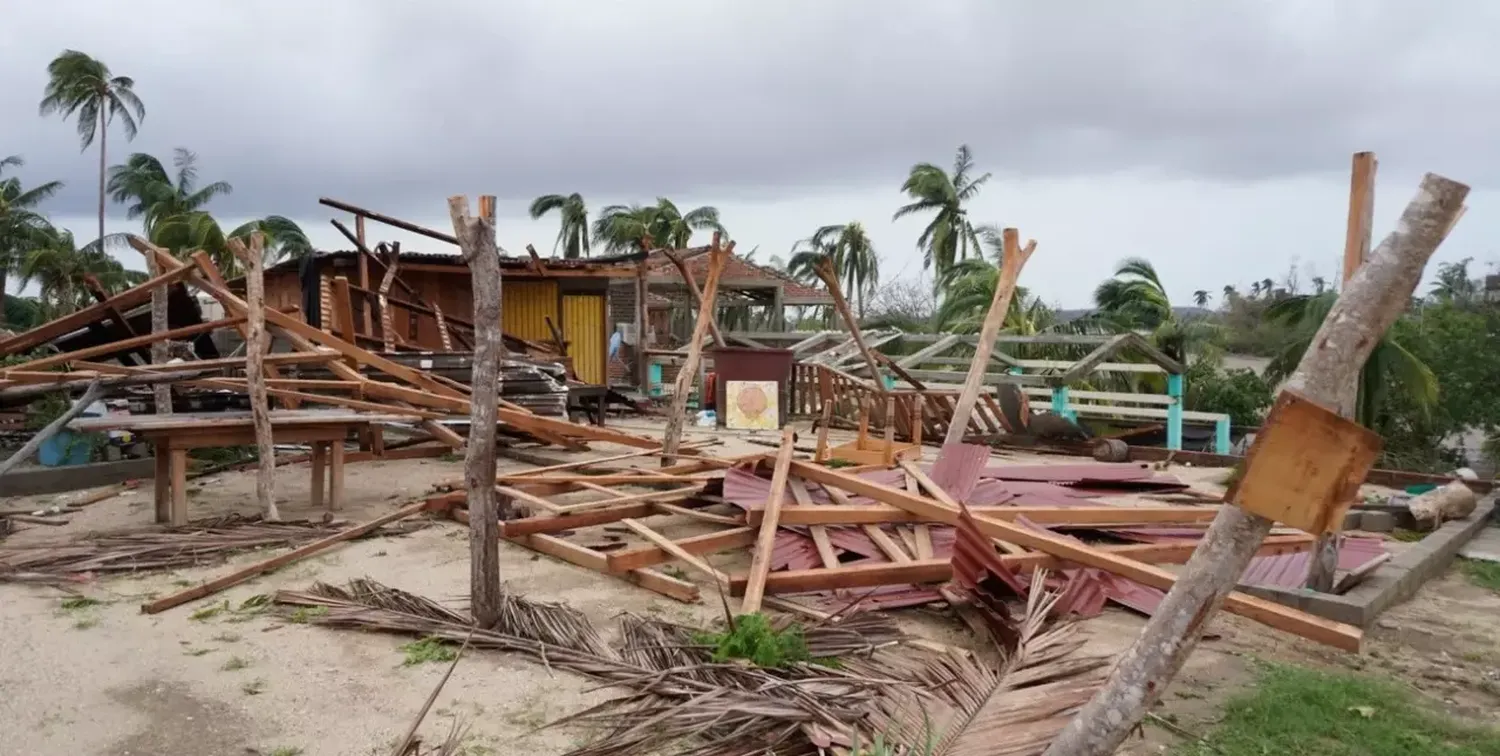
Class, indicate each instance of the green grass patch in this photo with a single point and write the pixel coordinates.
(307, 614)
(1303, 712)
(235, 664)
(752, 638)
(429, 649)
(1407, 536)
(75, 603)
(286, 751)
(209, 612)
(254, 687)
(835, 463)
(85, 623)
(1481, 573)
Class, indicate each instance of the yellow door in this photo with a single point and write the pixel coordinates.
(583, 327)
(525, 307)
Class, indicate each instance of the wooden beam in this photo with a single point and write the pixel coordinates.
(1013, 260)
(1079, 517)
(62, 326)
(765, 541)
(708, 543)
(848, 577)
(672, 436)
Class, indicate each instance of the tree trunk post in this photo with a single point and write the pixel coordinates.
(103, 140)
(692, 287)
(642, 360)
(476, 237)
(159, 352)
(1369, 304)
(255, 371)
(824, 270)
(1013, 258)
(672, 438)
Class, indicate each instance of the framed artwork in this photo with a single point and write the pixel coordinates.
(751, 405)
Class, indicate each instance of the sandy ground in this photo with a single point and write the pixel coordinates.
(109, 680)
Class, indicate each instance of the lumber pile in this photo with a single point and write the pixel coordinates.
(879, 537)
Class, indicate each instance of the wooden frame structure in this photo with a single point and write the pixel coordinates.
(931, 369)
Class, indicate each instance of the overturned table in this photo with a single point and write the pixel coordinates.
(174, 435)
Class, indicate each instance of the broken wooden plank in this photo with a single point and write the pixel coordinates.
(765, 542)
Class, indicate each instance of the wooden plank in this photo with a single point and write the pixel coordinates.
(274, 563)
(883, 541)
(127, 344)
(651, 496)
(1086, 516)
(594, 560)
(680, 554)
(65, 325)
(1336, 634)
(848, 577)
(708, 543)
(935, 491)
(765, 541)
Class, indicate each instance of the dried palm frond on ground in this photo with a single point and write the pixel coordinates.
(973, 709)
(681, 702)
(199, 543)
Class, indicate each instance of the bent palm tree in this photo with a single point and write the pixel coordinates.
(173, 209)
(80, 85)
(573, 225)
(949, 236)
(1200, 297)
(59, 269)
(1390, 363)
(21, 226)
(1134, 299)
(852, 254)
(622, 228)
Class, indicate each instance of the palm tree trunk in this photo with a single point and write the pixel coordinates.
(3, 276)
(103, 137)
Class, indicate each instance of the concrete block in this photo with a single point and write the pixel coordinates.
(45, 480)
(1377, 522)
(1351, 519)
(1396, 580)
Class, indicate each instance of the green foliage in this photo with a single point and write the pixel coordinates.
(306, 614)
(949, 237)
(209, 612)
(573, 230)
(429, 649)
(851, 253)
(1481, 573)
(752, 638)
(625, 228)
(235, 664)
(1239, 393)
(1302, 711)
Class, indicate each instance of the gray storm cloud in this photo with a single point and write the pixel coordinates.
(392, 102)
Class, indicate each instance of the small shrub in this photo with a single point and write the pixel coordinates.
(74, 603)
(209, 612)
(429, 649)
(235, 664)
(753, 639)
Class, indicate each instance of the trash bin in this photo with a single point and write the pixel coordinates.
(750, 364)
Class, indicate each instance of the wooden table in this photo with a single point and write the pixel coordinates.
(174, 435)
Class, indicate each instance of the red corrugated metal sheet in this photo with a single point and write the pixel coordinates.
(957, 469)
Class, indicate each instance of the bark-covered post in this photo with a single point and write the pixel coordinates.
(1013, 258)
(677, 416)
(255, 371)
(1366, 308)
(476, 236)
(162, 393)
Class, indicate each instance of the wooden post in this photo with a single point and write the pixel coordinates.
(1368, 305)
(253, 259)
(1325, 555)
(678, 415)
(162, 393)
(642, 361)
(825, 271)
(364, 271)
(476, 237)
(1013, 258)
(765, 540)
(387, 318)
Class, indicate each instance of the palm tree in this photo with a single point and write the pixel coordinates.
(59, 268)
(1200, 298)
(949, 237)
(80, 85)
(1453, 284)
(622, 228)
(1267, 288)
(172, 206)
(1389, 363)
(1230, 293)
(21, 226)
(1135, 299)
(1320, 284)
(853, 256)
(1254, 289)
(573, 231)
(970, 289)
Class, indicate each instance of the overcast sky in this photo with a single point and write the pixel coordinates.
(1212, 137)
